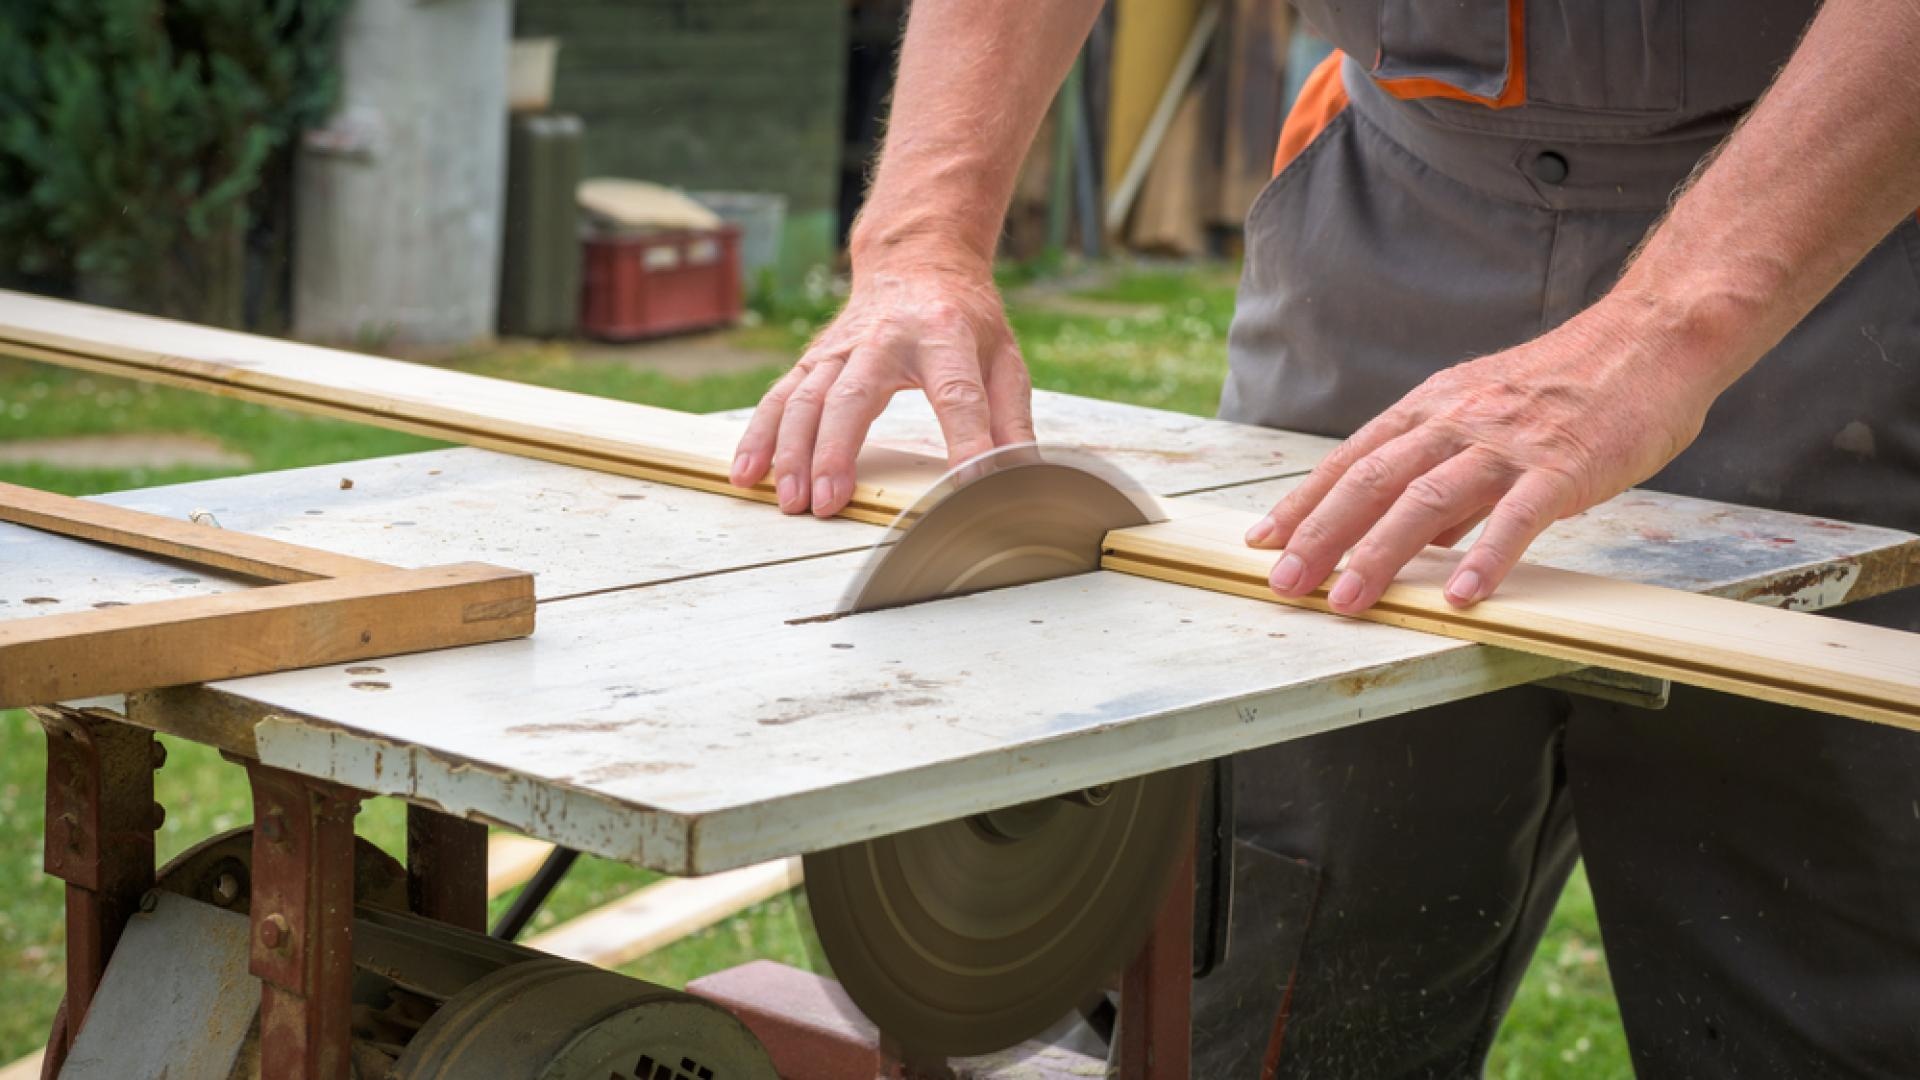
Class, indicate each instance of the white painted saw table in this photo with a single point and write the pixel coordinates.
(680, 706)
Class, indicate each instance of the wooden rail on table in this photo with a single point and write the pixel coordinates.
(327, 609)
(1849, 669)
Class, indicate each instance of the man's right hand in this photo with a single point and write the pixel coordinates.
(975, 77)
(929, 326)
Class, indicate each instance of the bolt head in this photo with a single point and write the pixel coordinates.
(159, 816)
(274, 827)
(274, 932)
(159, 754)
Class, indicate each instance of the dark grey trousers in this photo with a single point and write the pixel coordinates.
(1756, 868)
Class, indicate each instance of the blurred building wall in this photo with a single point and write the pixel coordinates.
(744, 95)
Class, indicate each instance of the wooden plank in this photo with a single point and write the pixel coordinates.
(174, 642)
(512, 859)
(1121, 201)
(1148, 39)
(1678, 542)
(1848, 669)
(662, 913)
(185, 541)
(1169, 454)
(554, 425)
(27, 1068)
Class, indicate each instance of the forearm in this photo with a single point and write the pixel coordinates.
(1823, 167)
(976, 77)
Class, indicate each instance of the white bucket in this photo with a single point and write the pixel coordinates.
(530, 73)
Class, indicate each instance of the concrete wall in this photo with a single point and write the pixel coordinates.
(399, 198)
(741, 95)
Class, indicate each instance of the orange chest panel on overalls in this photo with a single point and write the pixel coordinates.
(1616, 68)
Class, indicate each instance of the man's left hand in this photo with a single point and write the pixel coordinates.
(1518, 439)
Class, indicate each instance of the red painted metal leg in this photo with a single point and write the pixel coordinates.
(1156, 993)
(302, 948)
(447, 868)
(99, 840)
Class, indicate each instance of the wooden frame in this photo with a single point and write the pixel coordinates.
(322, 609)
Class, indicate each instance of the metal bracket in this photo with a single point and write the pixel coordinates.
(1619, 687)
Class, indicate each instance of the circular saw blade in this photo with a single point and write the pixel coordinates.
(971, 935)
(955, 940)
(1011, 516)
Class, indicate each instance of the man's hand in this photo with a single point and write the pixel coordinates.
(939, 329)
(1519, 439)
(975, 78)
(1545, 430)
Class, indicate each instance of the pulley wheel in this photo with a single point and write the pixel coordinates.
(556, 1019)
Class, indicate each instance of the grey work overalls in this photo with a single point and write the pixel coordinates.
(1756, 868)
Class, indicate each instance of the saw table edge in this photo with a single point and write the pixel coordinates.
(693, 844)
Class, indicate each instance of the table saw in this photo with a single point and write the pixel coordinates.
(696, 698)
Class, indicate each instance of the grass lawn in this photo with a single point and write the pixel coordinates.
(1153, 337)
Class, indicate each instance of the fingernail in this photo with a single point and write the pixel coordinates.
(1287, 572)
(1261, 532)
(1465, 587)
(822, 494)
(1346, 591)
(787, 490)
(740, 468)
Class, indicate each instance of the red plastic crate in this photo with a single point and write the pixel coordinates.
(641, 285)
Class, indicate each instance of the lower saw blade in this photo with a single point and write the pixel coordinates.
(972, 935)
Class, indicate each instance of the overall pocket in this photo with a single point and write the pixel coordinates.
(1459, 50)
(1617, 56)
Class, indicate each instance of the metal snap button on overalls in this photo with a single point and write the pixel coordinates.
(1549, 167)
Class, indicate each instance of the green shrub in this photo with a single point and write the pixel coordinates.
(134, 133)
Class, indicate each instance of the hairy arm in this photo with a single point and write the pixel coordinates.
(975, 79)
(1823, 167)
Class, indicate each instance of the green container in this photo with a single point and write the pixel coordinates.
(540, 253)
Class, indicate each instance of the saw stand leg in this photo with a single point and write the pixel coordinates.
(1156, 993)
(99, 840)
(302, 943)
(447, 868)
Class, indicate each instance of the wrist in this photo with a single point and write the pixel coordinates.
(919, 242)
(1705, 336)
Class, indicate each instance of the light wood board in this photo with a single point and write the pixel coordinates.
(186, 541)
(1759, 556)
(1849, 669)
(624, 930)
(575, 429)
(554, 425)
